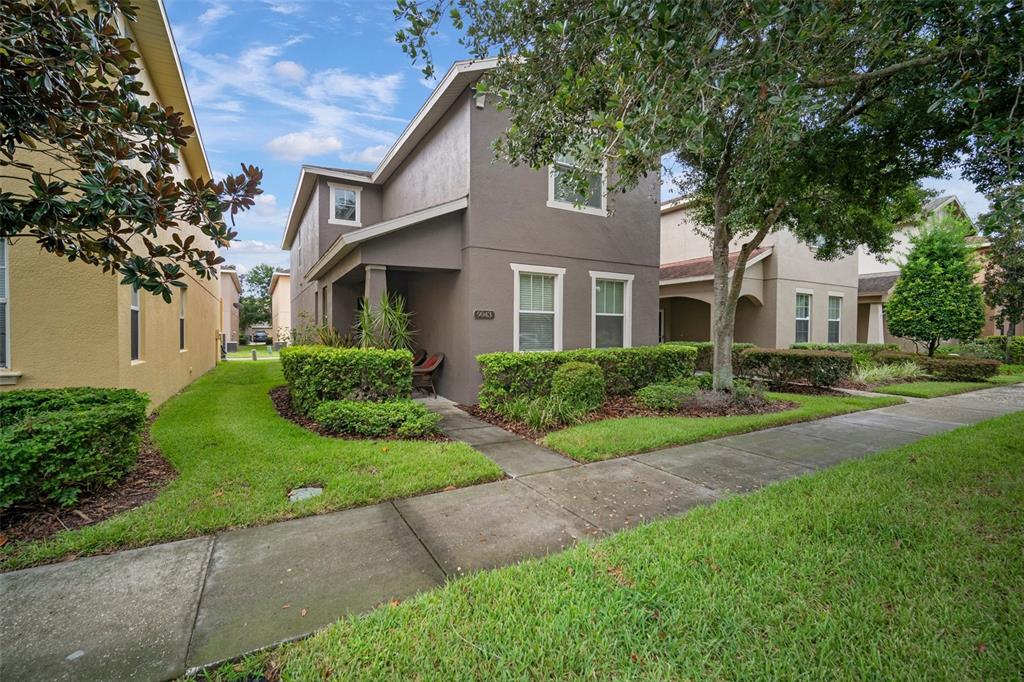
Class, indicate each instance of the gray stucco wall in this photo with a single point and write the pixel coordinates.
(304, 252)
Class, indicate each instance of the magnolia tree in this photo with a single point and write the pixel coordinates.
(936, 297)
(86, 167)
(775, 115)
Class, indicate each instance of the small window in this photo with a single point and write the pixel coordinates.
(344, 205)
(538, 293)
(562, 195)
(835, 316)
(803, 318)
(5, 340)
(135, 306)
(181, 320)
(612, 298)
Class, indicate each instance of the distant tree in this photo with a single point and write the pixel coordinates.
(818, 119)
(86, 168)
(1003, 227)
(936, 297)
(254, 304)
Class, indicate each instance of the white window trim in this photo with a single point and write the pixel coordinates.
(132, 305)
(828, 318)
(569, 206)
(182, 324)
(559, 273)
(627, 305)
(7, 305)
(810, 314)
(359, 202)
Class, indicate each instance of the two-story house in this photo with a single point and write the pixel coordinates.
(788, 296)
(489, 256)
(71, 324)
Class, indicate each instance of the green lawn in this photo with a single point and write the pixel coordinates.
(904, 565)
(609, 438)
(237, 460)
(936, 389)
(246, 352)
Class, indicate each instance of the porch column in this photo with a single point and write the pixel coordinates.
(376, 284)
(876, 324)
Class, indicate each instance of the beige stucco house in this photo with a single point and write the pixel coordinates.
(489, 257)
(788, 296)
(280, 308)
(70, 324)
(230, 296)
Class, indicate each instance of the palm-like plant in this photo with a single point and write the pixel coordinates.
(386, 325)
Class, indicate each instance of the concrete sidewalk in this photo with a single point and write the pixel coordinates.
(154, 613)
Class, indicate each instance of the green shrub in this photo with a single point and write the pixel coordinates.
(318, 373)
(579, 383)
(1017, 350)
(542, 413)
(861, 352)
(703, 382)
(907, 370)
(666, 396)
(778, 367)
(947, 369)
(507, 376)
(403, 418)
(706, 350)
(992, 348)
(56, 444)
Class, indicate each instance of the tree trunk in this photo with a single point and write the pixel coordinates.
(724, 312)
(932, 345)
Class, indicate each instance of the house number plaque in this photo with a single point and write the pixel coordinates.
(483, 314)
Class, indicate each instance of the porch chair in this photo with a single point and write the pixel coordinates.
(423, 375)
(418, 357)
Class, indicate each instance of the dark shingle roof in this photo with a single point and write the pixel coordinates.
(876, 284)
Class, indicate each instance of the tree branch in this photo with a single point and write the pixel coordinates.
(878, 73)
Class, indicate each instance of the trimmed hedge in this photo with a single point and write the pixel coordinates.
(706, 353)
(579, 383)
(402, 418)
(56, 444)
(666, 396)
(947, 369)
(861, 352)
(514, 375)
(318, 373)
(815, 367)
(1017, 350)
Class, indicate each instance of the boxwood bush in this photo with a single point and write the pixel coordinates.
(666, 396)
(318, 373)
(507, 376)
(403, 418)
(579, 383)
(815, 367)
(705, 353)
(861, 352)
(947, 369)
(56, 444)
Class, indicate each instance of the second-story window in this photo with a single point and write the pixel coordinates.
(344, 205)
(561, 193)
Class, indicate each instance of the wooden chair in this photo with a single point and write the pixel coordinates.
(419, 357)
(423, 375)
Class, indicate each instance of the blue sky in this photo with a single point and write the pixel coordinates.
(279, 83)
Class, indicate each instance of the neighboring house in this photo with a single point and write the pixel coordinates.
(489, 256)
(280, 308)
(257, 327)
(230, 299)
(71, 324)
(933, 210)
(787, 296)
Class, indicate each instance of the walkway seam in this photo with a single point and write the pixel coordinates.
(199, 600)
(419, 540)
(558, 504)
(716, 491)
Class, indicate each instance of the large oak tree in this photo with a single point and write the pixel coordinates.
(813, 116)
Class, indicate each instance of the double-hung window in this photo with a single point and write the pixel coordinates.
(135, 310)
(181, 320)
(561, 193)
(345, 208)
(835, 317)
(5, 333)
(612, 306)
(538, 299)
(803, 318)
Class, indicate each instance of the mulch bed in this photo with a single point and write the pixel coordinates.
(617, 407)
(283, 404)
(151, 474)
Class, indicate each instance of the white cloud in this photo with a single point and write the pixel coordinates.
(428, 83)
(289, 71)
(368, 155)
(246, 247)
(301, 145)
(284, 7)
(214, 14)
(375, 92)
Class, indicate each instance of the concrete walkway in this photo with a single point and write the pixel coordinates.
(154, 613)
